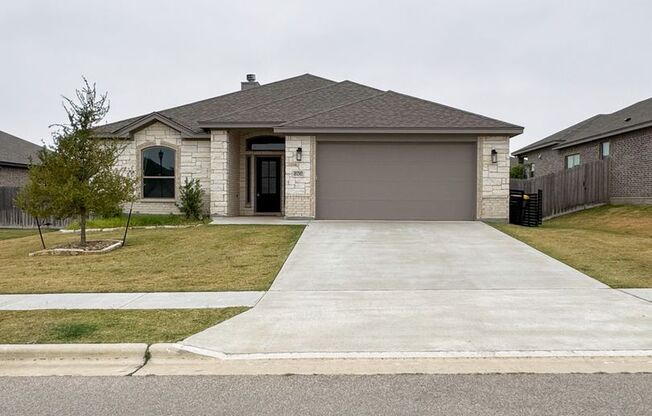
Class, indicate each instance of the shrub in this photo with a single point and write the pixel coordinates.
(517, 172)
(190, 199)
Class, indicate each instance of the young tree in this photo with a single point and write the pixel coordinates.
(77, 176)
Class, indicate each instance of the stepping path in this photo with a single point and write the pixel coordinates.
(156, 300)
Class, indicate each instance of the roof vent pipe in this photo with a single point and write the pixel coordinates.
(250, 83)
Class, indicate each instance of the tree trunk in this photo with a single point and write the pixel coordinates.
(82, 226)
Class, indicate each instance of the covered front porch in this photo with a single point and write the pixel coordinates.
(257, 173)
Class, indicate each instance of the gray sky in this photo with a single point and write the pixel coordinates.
(541, 64)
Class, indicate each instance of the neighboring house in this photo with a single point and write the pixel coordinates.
(15, 157)
(309, 147)
(625, 137)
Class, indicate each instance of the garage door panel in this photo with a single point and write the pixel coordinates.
(373, 180)
(388, 190)
(392, 172)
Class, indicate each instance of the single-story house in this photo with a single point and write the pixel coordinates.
(624, 137)
(309, 147)
(15, 154)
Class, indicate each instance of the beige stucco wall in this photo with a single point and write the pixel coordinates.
(193, 162)
(300, 177)
(493, 178)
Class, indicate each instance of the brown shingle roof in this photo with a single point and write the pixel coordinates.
(393, 110)
(16, 151)
(312, 102)
(633, 117)
(189, 115)
(291, 108)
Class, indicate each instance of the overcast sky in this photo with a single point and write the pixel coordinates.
(540, 64)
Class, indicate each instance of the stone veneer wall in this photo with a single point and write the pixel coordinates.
(493, 178)
(300, 177)
(225, 169)
(193, 162)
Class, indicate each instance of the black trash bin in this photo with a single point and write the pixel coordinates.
(525, 209)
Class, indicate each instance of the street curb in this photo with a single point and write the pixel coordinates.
(176, 359)
(71, 359)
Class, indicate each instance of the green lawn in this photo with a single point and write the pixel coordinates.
(204, 258)
(612, 244)
(137, 220)
(107, 326)
(7, 233)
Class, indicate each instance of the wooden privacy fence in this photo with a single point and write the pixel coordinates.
(10, 216)
(569, 189)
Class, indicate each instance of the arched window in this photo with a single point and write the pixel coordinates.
(158, 172)
(266, 143)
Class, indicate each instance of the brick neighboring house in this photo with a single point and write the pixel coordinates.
(625, 137)
(309, 147)
(15, 156)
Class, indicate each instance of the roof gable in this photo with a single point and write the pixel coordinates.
(148, 119)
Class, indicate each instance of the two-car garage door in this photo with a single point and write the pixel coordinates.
(396, 181)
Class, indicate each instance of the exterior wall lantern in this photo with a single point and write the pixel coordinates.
(494, 156)
(298, 154)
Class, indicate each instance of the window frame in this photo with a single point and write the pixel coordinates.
(567, 158)
(265, 144)
(175, 154)
(249, 177)
(601, 149)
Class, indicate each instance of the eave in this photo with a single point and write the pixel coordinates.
(604, 135)
(398, 130)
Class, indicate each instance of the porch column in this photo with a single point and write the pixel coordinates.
(300, 177)
(224, 174)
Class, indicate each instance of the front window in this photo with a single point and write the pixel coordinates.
(572, 161)
(532, 166)
(604, 150)
(158, 172)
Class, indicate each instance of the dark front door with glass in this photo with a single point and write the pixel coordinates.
(268, 184)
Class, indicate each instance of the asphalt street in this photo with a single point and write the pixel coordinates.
(515, 394)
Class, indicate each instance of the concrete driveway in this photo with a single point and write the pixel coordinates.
(428, 288)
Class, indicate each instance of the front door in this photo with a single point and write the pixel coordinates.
(268, 184)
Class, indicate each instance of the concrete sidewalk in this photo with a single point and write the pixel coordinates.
(156, 300)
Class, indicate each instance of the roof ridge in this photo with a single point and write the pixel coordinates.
(629, 106)
(335, 108)
(453, 108)
(136, 118)
(274, 101)
(245, 91)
